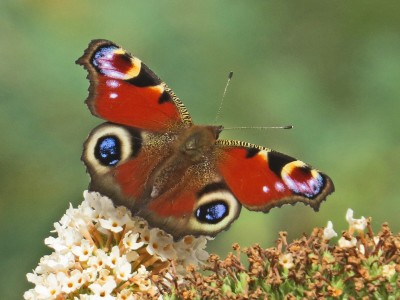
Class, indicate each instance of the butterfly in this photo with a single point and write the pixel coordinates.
(179, 176)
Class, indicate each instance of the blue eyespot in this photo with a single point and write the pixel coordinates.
(213, 212)
(103, 52)
(108, 150)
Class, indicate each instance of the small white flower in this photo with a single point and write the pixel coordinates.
(162, 244)
(99, 260)
(123, 269)
(126, 295)
(56, 262)
(68, 236)
(115, 219)
(361, 249)
(71, 282)
(355, 224)
(102, 205)
(104, 275)
(199, 247)
(389, 270)
(286, 260)
(34, 278)
(190, 250)
(141, 278)
(90, 274)
(111, 224)
(345, 243)
(130, 241)
(64, 221)
(113, 257)
(31, 295)
(104, 289)
(83, 251)
(80, 219)
(56, 243)
(329, 232)
(49, 289)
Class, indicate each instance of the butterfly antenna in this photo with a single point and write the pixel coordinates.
(259, 127)
(223, 97)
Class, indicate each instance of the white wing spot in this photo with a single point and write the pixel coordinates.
(265, 189)
(112, 83)
(279, 187)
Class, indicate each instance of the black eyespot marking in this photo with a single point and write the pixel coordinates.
(213, 212)
(212, 187)
(145, 78)
(165, 97)
(277, 161)
(125, 58)
(251, 152)
(108, 150)
(136, 141)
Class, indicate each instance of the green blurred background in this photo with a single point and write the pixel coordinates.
(330, 68)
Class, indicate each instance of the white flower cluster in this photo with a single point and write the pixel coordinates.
(355, 225)
(102, 252)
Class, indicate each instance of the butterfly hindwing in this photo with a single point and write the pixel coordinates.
(124, 90)
(268, 178)
(120, 161)
(182, 197)
(195, 206)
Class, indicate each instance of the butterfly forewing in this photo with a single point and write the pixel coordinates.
(124, 90)
(268, 178)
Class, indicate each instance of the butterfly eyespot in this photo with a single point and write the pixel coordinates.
(215, 209)
(110, 145)
(302, 180)
(104, 52)
(212, 212)
(108, 150)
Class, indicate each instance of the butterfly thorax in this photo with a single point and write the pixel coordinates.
(193, 147)
(197, 141)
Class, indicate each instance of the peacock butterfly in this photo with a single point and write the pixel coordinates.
(151, 158)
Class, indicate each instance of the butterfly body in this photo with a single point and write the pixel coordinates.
(179, 176)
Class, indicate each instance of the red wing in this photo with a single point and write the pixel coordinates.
(119, 163)
(124, 90)
(262, 179)
(133, 175)
(197, 205)
(122, 183)
(133, 168)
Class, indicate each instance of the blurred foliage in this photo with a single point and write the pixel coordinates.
(330, 68)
